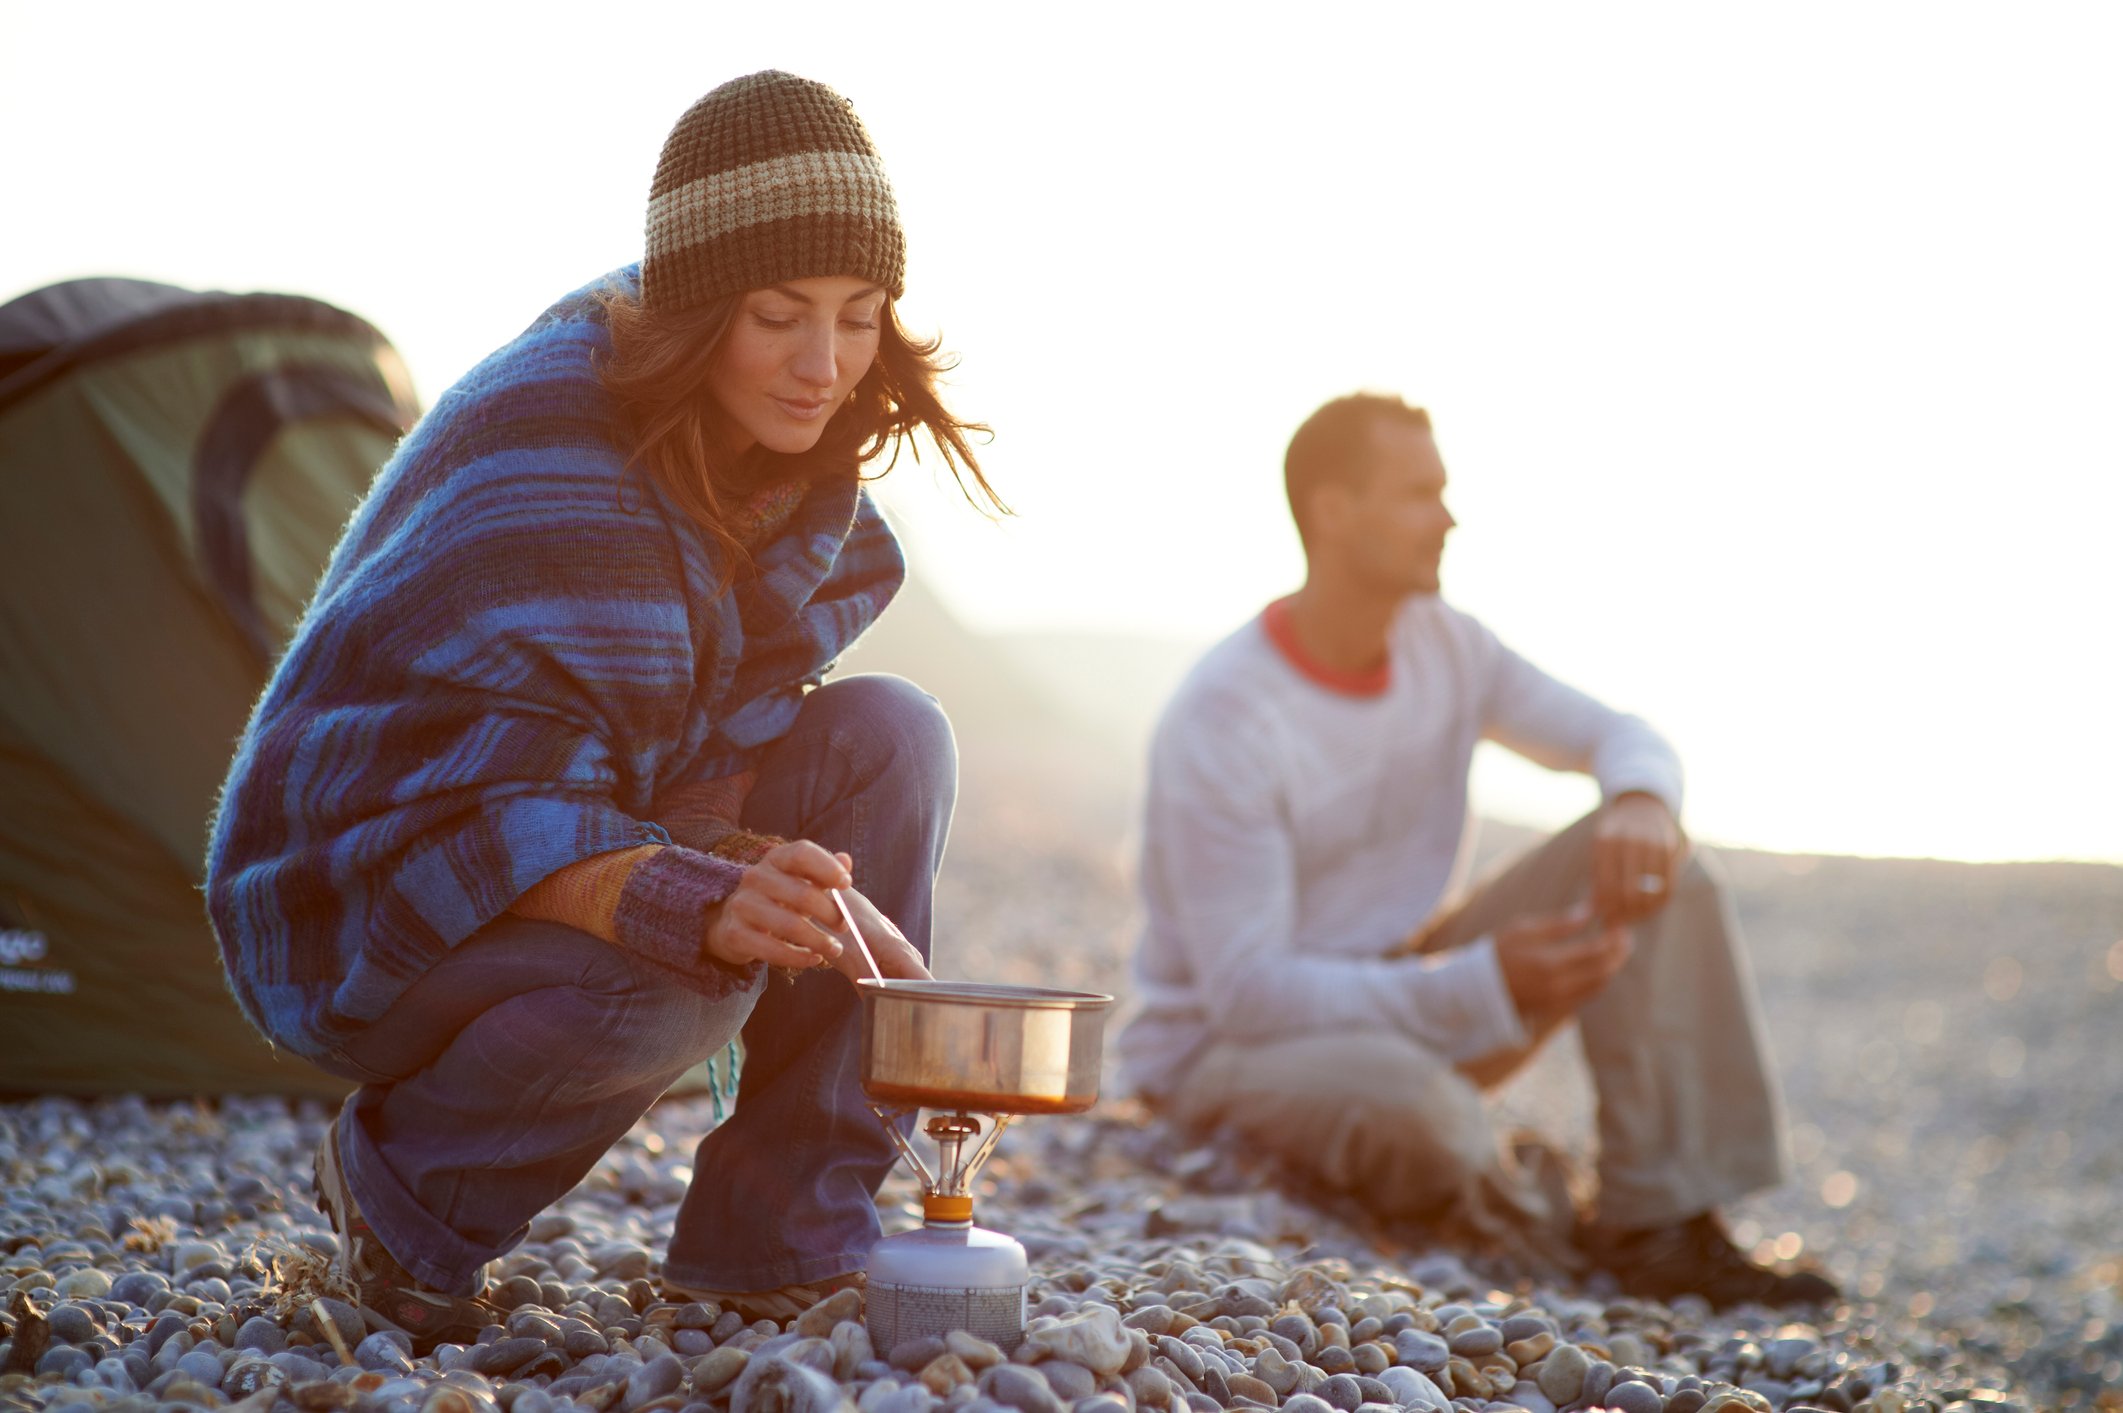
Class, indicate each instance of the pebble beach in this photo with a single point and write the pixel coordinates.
(1948, 1040)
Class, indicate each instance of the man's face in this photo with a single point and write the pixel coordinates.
(1393, 535)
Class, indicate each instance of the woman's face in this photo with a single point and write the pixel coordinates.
(792, 355)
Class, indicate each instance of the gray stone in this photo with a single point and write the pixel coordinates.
(299, 1367)
(1630, 1396)
(344, 1317)
(1527, 1395)
(536, 1326)
(1150, 1387)
(201, 1368)
(516, 1292)
(1278, 1373)
(1421, 1350)
(1015, 1386)
(137, 1287)
(261, 1334)
(1342, 1391)
(1599, 1378)
(1072, 1383)
(852, 1349)
(67, 1362)
(1307, 1403)
(1783, 1355)
(506, 1356)
(72, 1323)
(653, 1380)
(913, 1355)
(1152, 1320)
(1474, 1343)
(385, 1352)
(1525, 1326)
(691, 1343)
(1412, 1389)
(1184, 1357)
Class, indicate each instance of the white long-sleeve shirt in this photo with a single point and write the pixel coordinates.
(1295, 833)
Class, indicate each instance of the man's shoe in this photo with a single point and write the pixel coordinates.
(779, 1305)
(1696, 1257)
(381, 1286)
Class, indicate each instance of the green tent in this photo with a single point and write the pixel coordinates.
(174, 470)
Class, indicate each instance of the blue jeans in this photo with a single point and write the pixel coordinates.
(507, 1070)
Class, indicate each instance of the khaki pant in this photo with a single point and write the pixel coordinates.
(1689, 1115)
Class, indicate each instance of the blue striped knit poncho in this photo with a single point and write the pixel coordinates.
(516, 648)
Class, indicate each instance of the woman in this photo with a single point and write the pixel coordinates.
(540, 791)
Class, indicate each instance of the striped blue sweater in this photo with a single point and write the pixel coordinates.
(516, 648)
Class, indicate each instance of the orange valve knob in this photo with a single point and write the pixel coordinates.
(937, 1207)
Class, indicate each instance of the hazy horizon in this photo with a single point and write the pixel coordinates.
(1773, 355)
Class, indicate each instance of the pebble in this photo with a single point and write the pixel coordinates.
(820, 1319)
(88, 1283)
(1630, 1396)
(1562, 1373)
(1072, 1383)
(1015, 1386)
(1093, 1337)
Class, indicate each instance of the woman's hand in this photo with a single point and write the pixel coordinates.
(769, 916)
(782, 913)
(896, 957)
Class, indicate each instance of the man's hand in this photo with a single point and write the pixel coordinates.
(1554, 963)
(1636, 848)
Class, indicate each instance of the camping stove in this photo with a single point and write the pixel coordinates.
(978, 1056)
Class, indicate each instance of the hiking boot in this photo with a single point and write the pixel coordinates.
(382, 1287)
(780, 1305)
(1696, 1257)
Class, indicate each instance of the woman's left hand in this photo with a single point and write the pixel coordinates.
(896, 957)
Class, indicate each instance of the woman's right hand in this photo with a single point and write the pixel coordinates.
(768, 917)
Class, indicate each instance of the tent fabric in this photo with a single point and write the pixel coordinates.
(175, 468)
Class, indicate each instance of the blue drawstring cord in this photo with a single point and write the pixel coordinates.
(722, 1080)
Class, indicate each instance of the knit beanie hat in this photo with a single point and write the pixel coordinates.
(769, 178)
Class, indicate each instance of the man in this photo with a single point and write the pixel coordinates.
(1302, 977)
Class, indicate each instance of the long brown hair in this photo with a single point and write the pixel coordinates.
(657, 372)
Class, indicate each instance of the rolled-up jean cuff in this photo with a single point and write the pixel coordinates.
(663, 916)
(429, 1249)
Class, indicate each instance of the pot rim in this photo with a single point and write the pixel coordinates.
(977, 993)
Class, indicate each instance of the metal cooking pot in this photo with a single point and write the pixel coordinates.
(961, 1045)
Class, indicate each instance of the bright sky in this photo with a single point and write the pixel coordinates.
(1775, 350)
